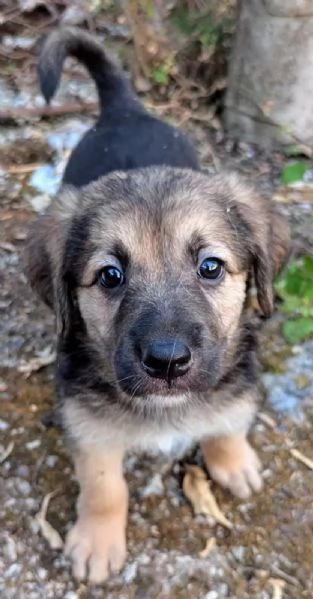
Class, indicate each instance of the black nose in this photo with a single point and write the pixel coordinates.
(166, 359)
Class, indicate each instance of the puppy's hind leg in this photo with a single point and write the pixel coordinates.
(233, 463)
(97, 542)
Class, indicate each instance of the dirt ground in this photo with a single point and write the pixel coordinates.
(269, 551)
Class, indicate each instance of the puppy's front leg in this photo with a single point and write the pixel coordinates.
(233, 463)
(97, 542)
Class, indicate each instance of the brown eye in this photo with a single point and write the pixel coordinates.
(211, 269)
(111, 277)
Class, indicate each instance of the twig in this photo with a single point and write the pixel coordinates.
(17, 169)
(287, 577)
(302, 458)
(13, 114)
(277, 586)
(208, 547)
(266, 419)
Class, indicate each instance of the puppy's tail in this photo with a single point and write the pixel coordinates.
(71, 41)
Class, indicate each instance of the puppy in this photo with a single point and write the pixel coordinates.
(147, 264)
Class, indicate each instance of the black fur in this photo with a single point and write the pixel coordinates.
(125, 136)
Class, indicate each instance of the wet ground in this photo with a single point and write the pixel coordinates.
(269, 551)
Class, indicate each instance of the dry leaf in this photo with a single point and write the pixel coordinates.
(44, 358)
(208, 547)
(268, 420)
(6, 452)
(197, 489)
(302, 458)
(48, 532)
(278, 587)
(296, 193)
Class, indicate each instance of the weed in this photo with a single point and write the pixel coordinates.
(295, 287)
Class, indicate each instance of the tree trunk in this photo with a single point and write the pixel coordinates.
(270, 93)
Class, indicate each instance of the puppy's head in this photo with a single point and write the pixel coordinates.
(155, 264)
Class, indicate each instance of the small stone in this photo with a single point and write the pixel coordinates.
(130, 572)
(42, 573)
(51, 460)
(10, 549)
(23, 487)
(3, 386)
(22, 471)
(33, 526)
(154, 487)
(33, 444)
(238, 552)
(3, 425)
(13, 571)
(211, 595)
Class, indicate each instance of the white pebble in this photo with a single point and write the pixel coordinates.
(13, 571)
(130, 572)
(33, 444)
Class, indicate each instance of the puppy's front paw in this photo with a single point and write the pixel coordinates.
(234, 465)
(97, 547)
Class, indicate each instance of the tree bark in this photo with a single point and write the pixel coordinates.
(270, 92)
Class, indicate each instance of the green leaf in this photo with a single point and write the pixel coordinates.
(293, 172)
(297, 330)
(294, 282)
(160, 75)
(308, 264)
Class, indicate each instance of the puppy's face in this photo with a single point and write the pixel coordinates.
(156, 263)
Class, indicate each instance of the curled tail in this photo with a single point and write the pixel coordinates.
(71, 41)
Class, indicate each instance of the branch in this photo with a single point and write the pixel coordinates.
(27, 114)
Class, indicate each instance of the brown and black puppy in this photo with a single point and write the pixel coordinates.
(147, 270)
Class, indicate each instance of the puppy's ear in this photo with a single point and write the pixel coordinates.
(266, 234)
(45, 257)
(36, 260)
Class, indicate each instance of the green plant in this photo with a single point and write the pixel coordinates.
(294, 171)
(202, 26)
(162, 72)
(295, 287)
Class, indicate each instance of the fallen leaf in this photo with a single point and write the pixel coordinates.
(296, 193)
(268, 420)
(197, 489)
(208, 547)
(46, 357)
(7, 246)
(48, 532)
(6, 452)
(298, 455)
(277, 586)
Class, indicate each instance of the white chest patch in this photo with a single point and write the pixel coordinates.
(152, 436)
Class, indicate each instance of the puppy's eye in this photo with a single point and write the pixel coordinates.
(110, 277)
(211, 269)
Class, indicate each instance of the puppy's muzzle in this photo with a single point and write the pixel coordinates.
(166, 359)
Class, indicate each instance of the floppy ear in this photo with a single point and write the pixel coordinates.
(36, 260)
(267, 236)
(45, 257)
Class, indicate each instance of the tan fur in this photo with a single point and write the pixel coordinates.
(97, 543)
(118, 430)
(233, 463)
